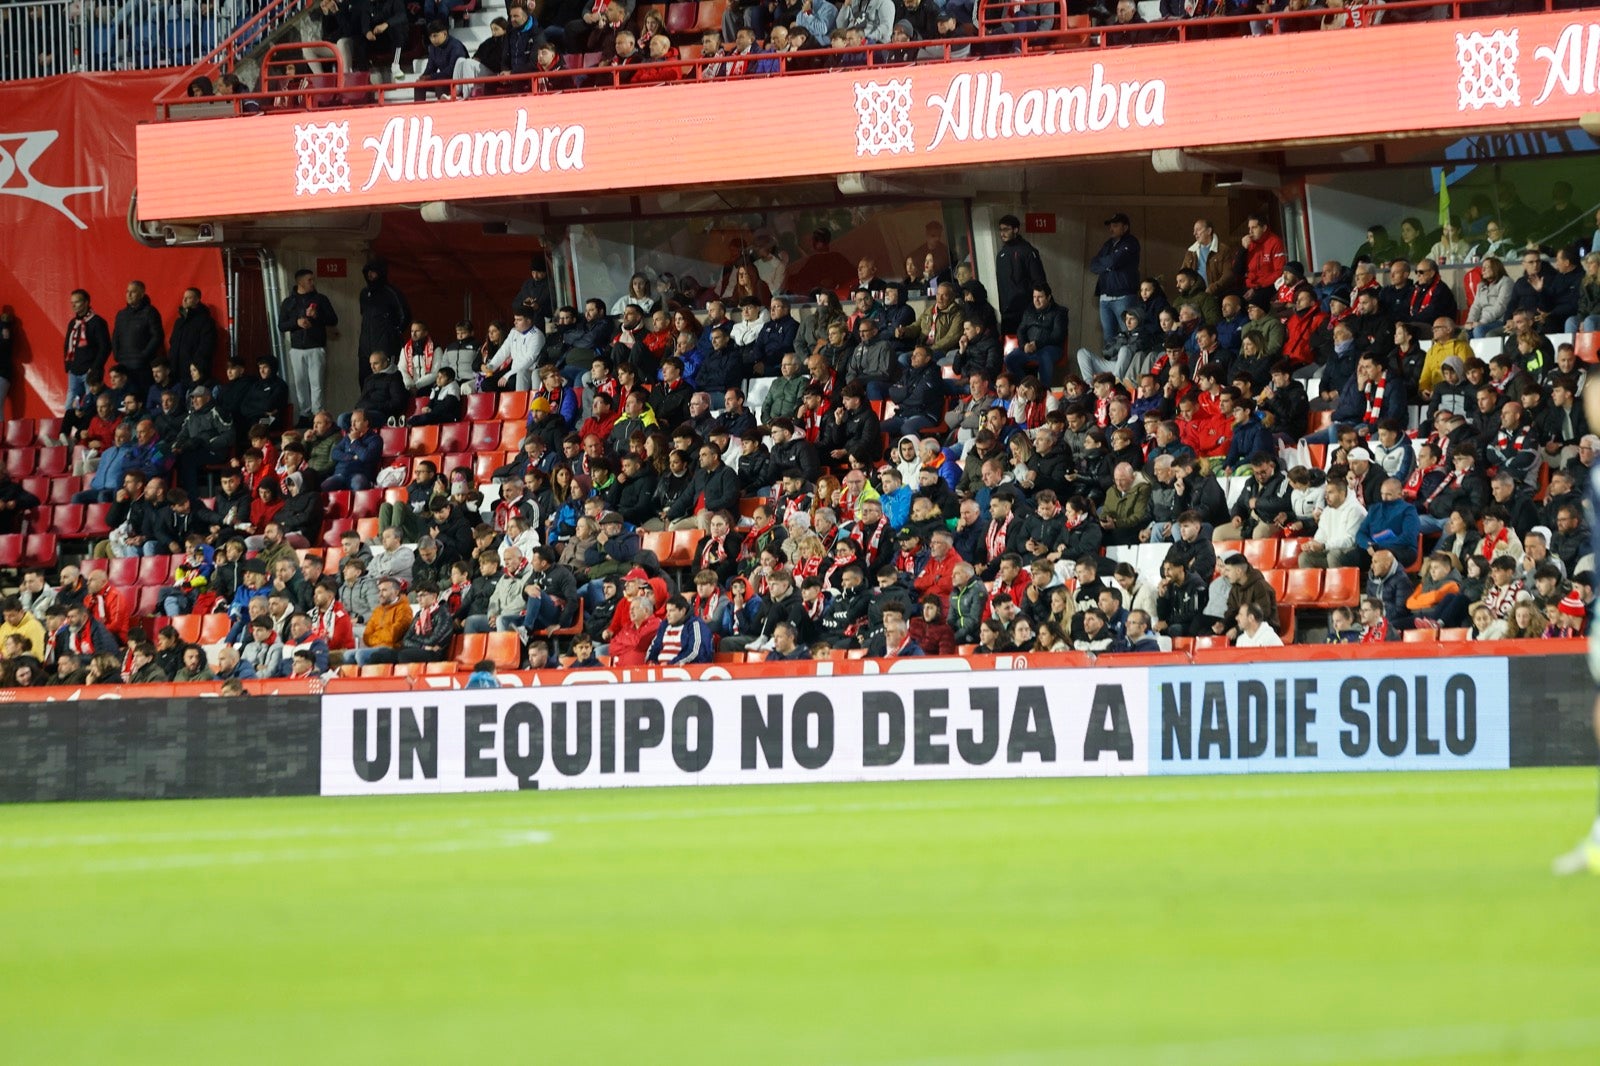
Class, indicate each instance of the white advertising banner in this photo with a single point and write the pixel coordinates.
(993, 724)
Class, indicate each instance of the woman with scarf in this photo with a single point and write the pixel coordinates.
(718, 551)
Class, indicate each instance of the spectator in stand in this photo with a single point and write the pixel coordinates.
(387, 626)
(194, 338)
(1117, 267)
(1264, 256)
(445, 53)
(1253, 629)
(136, 338)
(307, 315)
(385, 314)
(1018, 272)
(86, 346)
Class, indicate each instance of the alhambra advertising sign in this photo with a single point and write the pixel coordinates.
(1459, 75)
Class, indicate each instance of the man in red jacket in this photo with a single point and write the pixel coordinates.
(108, 605)
(937, 577)
(1264, 257)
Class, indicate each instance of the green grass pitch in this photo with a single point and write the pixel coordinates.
(1275, 920)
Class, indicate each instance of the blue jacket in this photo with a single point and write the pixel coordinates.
(114, 462)
(774, 341)
(442, 61)
(1117, 263)
(1248, 439)
(358, 455)
(896, 506)
(1397, 517)
(153, 458)
(696, 646)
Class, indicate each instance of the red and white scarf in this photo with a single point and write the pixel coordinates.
(995, 538)
(1373, 392)
(1487, 548)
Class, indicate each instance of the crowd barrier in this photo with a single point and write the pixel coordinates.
(1299, 710)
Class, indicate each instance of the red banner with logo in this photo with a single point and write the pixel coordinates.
(1475, 74)
(66, 189)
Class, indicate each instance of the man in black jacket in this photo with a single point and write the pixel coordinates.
(306, 316)
(265, 401)
(1041, 338)
(919, 395)
(715, 487)
(385, 316)
(86, 346)
(136, 338)
(853, 431)
(194, 338)
(1018, 272)
(383, 393)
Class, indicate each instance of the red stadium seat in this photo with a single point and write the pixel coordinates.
(49, 427)
(69, 520)
(148, 601)
(61, 490)
(10, 550)
(1453, 636)
(1421, 635)
(1225, 548)
(155, 570)
(1341, 587)
(364, 503)
(513, 405)
(41, 487)
(1263, 554)
(485, 463)
(394, 440)
(368, 528)
(1303, 587)
(422, 440)
(188, 627)
(20, 433)
(455, 437)
(214, 628)
(1286, 623)
(53, 461)
(1586, 346)
(484, 437)
(470, 649)
(336, 504)
(21, 462)
(40, 550)
(396, 495)
(454, 461)
(681, 17)
(1289, 552)
(710, 15)
(504, 649)
(96, 520)
(512, 435)
(124, 573)
(335, 529)
(480, 406)
(1213, 640)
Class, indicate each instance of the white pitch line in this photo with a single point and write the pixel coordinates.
(1515, 1040)
(340, 853)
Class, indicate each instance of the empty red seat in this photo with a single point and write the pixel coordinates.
(10, 550)
(61, 490)
(481, 406)
(148, 601)
(53, 461)
(213, 628)
(394, 440)
(49, 428)
(681, 17)
(21, 462)
(336, 504)
(96, 520)
(124, 573)
(455, 437)
(20, 433)
(364, 503)
(421, 440)
(155, 570)
(188, 627)
(485, 437)
(38, 487)
(39, 550)
(69, 520)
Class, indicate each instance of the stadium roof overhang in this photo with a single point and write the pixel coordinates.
(941, 130)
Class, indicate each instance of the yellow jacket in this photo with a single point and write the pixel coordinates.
(29, 630)
(387, 625)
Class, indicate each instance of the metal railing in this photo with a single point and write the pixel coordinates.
(315, 88)
(40, 38)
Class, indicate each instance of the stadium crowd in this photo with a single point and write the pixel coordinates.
(554, 43)
(897, 482)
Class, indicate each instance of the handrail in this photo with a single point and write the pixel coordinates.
(888, 55)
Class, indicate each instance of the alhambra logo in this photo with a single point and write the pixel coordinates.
(1490, 75)
(411, 150)
(18, 154)
(978, 106)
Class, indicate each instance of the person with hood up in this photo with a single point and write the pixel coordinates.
(385, 316)
(136, 338)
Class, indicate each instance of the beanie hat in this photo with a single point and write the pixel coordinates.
(1571, 604)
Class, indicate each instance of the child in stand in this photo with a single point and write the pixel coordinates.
(1342, 628)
